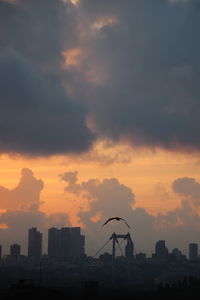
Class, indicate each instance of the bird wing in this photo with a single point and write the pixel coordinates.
(116, 218)
(110, 219)
(126, 223)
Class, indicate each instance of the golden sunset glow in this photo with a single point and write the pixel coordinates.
(75, 2)
(3, 226)
(72, 57)
(96, 217)
(148, 174)
(104, 21)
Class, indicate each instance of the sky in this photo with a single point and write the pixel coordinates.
(99, 117)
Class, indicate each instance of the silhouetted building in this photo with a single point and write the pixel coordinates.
(34, 244)
(193, 252)
(177, 257)
(53, 243)
(161, 251)
(0, 251)
(129, 249)
(106, 257)
(141, 257)
(66, 243)
(15, 250)
(77, 243)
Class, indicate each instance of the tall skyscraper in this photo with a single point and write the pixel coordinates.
(53, 243)
(34, 244)
(129, 249)
(193, 252)
(0, 251)
(77, 243)
(15, 250)
(161, 251)
(65, 244)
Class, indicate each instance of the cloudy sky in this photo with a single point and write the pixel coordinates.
(99, 116)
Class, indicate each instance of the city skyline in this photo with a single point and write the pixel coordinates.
(94, 196)
(67, 243)
(99, 117)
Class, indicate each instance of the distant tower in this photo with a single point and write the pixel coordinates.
(65, 244)
(161, 252)
(129, 248)
(15, 250)
(193, 252)
(34, 244)
(0, 251)
(53, 243)
(77, 243)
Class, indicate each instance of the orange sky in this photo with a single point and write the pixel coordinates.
(149, 174)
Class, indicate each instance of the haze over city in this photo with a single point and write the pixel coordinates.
(99, 117)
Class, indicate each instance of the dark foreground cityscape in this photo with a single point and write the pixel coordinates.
(66, 272)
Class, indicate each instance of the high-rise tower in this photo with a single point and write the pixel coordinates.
(66, 244)
(193, 252)
(15, 250)
(34, 244)
(161, 251)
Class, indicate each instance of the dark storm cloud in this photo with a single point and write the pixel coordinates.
(138, 77)
(36, 115)
(151, 57)
(39, 30)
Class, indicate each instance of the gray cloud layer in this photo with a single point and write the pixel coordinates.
(151, 96)
(36, 115)
(148, 67)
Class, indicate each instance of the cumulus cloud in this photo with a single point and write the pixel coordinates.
(108, 197)
(26, 196)
(189, 188)
(104, 198)
(22, 210)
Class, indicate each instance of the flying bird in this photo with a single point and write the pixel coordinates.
(118, 219)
